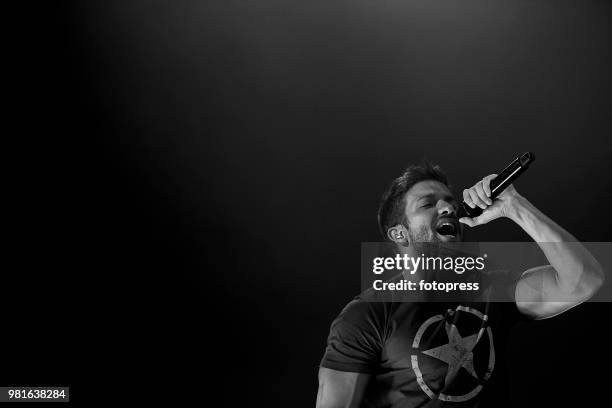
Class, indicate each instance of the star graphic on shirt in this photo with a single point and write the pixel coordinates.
(457, 353)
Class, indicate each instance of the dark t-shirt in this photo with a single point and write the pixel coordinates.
(424, 354)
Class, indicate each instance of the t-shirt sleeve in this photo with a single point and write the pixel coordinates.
(355, 339)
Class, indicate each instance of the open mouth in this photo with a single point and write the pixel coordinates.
(448, 229)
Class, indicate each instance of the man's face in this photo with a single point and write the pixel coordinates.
(431, 213)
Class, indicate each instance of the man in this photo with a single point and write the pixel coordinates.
(391, 354)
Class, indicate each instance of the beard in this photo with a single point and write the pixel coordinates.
(429, 233)
(423, 234)
(426, 241)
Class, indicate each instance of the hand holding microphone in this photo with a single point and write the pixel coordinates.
(489, 198)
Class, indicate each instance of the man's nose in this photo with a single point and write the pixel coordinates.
(446, 208)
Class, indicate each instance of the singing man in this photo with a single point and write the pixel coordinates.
(419, 354)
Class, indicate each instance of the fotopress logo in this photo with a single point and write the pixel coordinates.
(428, 263)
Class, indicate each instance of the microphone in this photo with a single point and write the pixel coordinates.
(503, 180)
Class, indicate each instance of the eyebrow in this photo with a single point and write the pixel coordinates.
(430, 195)
(446, 197)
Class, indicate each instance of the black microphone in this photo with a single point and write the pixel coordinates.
(503, 180)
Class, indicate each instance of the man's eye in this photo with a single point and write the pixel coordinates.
(427, 205)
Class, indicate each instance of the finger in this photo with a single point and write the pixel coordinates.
(482, 195)
(467, 221)
(486, 184)
(479, 220)
(467, 199)
(476, 199)
(470, 222)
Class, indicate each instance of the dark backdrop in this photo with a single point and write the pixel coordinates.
(213, 166)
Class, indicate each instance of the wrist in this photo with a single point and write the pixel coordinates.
(516, 207)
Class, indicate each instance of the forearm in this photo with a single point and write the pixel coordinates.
(577, 271)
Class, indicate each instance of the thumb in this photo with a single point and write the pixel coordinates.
(470, 222)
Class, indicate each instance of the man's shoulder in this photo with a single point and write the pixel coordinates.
(365, 307)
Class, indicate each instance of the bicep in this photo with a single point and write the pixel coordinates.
(537, 294)
(340, 389)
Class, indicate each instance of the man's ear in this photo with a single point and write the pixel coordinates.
(398, 234)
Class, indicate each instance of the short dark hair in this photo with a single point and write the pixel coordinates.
(392, 205)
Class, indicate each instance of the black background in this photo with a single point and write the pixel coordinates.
(192, 180)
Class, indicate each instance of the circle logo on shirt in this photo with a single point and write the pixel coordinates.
(457, 355)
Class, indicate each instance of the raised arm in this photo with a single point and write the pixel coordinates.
(573, 275)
